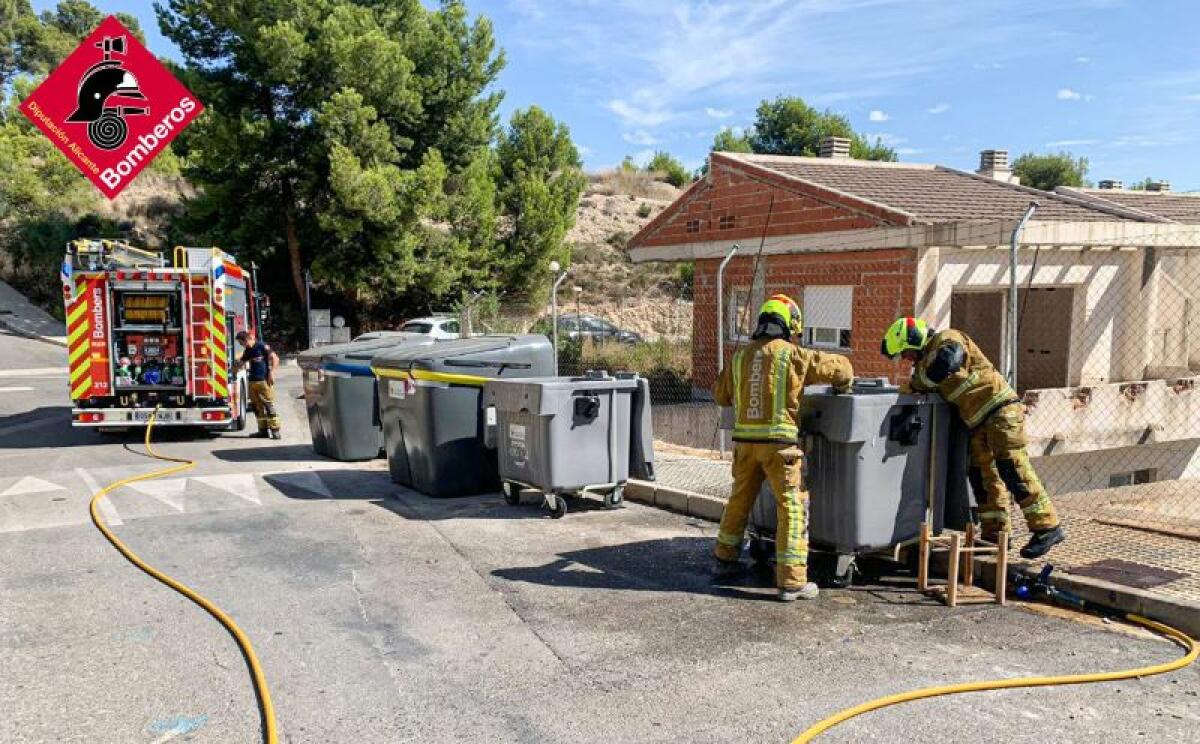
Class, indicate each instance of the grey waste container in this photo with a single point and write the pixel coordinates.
(565, 435)
(339, 395)
(430, 404)
(873, 459)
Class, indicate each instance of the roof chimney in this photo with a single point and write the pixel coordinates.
(1158, 186)
(994, 164)
(835, 147)
(1110, 184)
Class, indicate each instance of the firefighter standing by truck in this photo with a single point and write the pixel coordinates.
(764, 384)
(948, 362)
(260, 362)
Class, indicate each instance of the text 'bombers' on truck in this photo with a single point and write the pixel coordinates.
(142, 334)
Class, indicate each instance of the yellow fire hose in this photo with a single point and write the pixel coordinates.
(1193, 649)
(267, 708)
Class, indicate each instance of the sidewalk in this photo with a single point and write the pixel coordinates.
(22, 317)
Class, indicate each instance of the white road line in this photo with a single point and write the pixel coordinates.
(107, 510)
(35, 372)
(15, 389)
(241, 485)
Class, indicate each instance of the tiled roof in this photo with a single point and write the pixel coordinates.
(1183, 208)
(931, 193)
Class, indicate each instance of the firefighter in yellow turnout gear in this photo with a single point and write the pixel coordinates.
(764, 384)
(948, 362)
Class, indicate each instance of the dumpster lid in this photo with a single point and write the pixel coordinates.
(458, 353)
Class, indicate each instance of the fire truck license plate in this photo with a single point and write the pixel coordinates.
(143, 415)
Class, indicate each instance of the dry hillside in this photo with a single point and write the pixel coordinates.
(648, 298)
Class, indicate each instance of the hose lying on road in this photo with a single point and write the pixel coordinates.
(266, 707)
(1193, 649)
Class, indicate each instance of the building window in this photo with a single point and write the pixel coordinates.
(1132, 478)
(693, 226)
(727, 222)
(828, 312)
(739, 316)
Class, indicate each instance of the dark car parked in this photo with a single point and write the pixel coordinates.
(573, 326)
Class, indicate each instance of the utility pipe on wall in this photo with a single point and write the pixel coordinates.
(721, 322)
(1012, 295)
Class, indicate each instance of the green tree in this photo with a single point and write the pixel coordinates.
(628, 164)
(668, 169)
(727, 141)
(1144, 184)
(541, 180)
(1046, 172)
(349, 136)
(789, 126)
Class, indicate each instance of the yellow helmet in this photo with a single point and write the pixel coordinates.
(905, 334)
(788, 312)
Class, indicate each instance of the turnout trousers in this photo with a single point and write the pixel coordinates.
(262, 399)
(781, 465)
(1001, 472)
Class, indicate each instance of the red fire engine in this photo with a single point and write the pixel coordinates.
(142, 334)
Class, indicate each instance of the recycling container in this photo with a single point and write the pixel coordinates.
(340, 395)
(430, 405)
(874, 459)
(565, 435)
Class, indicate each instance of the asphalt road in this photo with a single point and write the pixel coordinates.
(381, 615)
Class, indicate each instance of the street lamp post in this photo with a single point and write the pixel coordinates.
(555, 268)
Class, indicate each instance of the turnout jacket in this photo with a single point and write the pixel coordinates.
(952, 365)
(764, 384)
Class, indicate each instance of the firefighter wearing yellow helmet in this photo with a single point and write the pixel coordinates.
(948, 362)
(764, 383)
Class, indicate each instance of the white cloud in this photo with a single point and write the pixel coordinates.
(639, 137)
(1190, 97)
(1066, 94)
(1082, 60)
(889, 140)
(633, 114)
(584, 150)
(717, 113)
(1072, 142)
(642, 157)
(877, 115)
(940, 108)
(908, 151)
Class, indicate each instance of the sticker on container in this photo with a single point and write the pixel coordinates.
(397, 389)
(518, 452)
(490, 416)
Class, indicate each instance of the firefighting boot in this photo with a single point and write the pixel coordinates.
(792, 593)
(727, 570)
(1042, 541)
(275, 434)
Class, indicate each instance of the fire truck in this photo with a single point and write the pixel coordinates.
(142, 334)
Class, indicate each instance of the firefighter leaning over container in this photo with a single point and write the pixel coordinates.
(764, 384)
(949, 362)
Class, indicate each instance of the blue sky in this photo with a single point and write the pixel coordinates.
(1116, 81)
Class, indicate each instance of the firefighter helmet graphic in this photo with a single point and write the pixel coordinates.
(108, 78)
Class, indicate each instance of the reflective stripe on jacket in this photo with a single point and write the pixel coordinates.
(764, 384)
(975, 387)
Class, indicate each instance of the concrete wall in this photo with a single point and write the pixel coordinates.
(1109, 313)
(1090, 471)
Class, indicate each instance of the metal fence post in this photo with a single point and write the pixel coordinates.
(721, 326)
(554, 310)
(1012, 295)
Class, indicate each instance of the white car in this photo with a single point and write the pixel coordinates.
(440, 327)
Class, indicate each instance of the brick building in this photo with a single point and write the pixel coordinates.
(858, 243)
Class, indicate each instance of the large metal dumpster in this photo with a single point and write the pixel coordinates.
(875, 459)
(563, 435)
(431, 408)
(340, 395)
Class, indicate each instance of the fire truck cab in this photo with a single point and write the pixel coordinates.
(144, 335)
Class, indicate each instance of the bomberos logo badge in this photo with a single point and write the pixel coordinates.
(111, 107)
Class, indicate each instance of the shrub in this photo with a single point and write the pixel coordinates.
(666, 364)
(644, 210)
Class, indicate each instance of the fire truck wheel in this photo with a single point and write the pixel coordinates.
(239, 420)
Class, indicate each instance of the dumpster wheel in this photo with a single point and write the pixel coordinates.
(557, 504)
(615, 498)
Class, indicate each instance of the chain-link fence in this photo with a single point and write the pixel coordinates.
(1107, 362)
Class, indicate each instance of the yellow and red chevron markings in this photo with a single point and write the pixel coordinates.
(220, 346)
(79, 329)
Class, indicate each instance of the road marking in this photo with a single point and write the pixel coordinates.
(15, 389)
(242, 485)
(35, 372)
(302, 479)
(169, 491)
(29, 484)
(107, 510)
